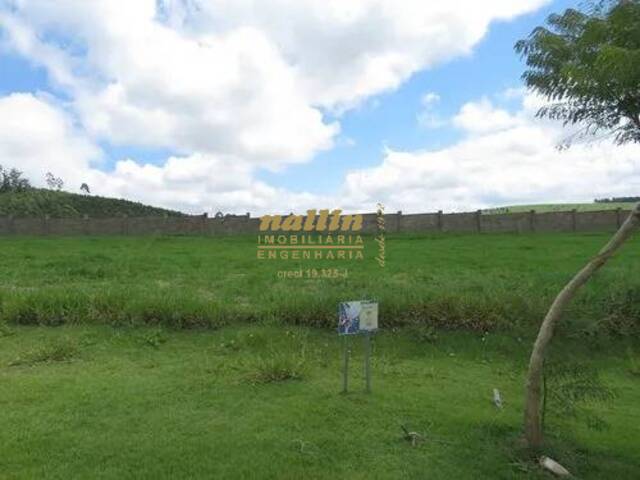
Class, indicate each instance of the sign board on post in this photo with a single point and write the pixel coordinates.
(368, 316)
(357, 318)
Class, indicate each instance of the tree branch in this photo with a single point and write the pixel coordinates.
(532, 410)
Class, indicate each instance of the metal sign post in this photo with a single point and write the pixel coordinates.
(345, 366)
(367, 360)
(357, 318)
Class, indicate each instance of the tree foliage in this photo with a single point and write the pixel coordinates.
(38, 202)
(571, 389)
(12, 181)
(53, 182)
(618, 200)
(588, 65)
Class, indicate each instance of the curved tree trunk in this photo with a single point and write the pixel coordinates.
(533, 398)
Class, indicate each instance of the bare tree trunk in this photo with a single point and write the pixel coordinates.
(532, 421)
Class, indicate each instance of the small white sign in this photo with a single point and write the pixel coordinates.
(368, 316)
(357, 317)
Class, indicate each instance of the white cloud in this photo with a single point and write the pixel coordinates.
(516, 164)
(201, 183)
(243, 84)
(504, 159)
(237, 77)
(36, 137)
(428, 117)
(346, 50)
(513, 93)
(137, 81)
(483, 117)
(429, 99)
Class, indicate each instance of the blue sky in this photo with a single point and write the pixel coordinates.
(389, 119)
(222, 105)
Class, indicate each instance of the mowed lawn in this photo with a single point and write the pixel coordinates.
(179, 357)
(114, 402)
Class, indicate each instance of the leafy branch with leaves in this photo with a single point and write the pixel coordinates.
(586, 64)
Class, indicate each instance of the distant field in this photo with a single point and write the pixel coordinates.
(474, 282)
(559, 207)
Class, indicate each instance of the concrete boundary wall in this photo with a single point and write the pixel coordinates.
(470, 222)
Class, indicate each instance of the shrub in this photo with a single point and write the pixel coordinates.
(5, 331)
(58, 351)
(46, 307)
(424, 333)
(634, 362)
(154, 338)
(278, 367)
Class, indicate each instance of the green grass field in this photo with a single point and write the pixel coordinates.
(560, 207)
(467, 281)
(180, 357)
(104, 402)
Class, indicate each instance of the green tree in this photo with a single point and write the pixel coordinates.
(12, 181)
(587, 65)
(53, 182)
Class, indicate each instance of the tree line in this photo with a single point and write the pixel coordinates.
(618, 200)
(12, 180)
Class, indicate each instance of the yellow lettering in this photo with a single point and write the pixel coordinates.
(335, 220)
(352, 222)
(321, 225)
(308, 223)
(270, 222)
(292, 222)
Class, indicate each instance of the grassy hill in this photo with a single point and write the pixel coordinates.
(38, 202)
(560, 207)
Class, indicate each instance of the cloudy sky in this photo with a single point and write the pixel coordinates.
(270, 105)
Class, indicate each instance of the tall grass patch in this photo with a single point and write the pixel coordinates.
(59, 350)
(472, 282)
